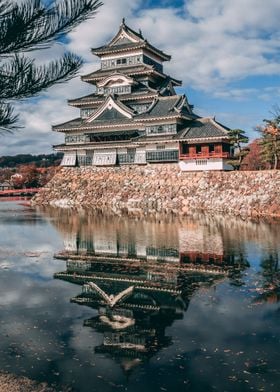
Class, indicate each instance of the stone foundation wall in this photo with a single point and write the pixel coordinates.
(164, 188)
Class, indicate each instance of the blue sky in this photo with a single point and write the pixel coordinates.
(225, 52)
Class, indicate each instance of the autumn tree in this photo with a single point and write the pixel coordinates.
(29, 25)
(17, 181)
(5, 174)
(253, 160)
(238, 138)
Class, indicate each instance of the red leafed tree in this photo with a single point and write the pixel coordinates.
(30, 176)
(17, 181)
(253, 160)
(5, 174)
(27, 176)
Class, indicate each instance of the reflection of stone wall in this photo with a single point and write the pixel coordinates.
(85, 231)
(198, 238)
(163, 188)
(151, 239)
(151, 236)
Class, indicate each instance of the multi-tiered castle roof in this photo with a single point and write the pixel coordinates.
(135, 116)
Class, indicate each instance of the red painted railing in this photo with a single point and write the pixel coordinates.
(205, 155)
(19, 192)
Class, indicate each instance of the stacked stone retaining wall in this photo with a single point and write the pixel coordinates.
(164, 188)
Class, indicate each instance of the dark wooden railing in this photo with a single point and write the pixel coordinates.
(205, 155)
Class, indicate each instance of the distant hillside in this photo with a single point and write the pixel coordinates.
(42, 160)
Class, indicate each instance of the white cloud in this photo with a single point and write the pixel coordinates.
(243, 94)
(216, 41)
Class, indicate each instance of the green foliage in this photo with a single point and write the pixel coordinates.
(42, 160)
(31, 25)
(238, 137)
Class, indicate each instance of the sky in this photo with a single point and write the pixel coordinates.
(225, 52)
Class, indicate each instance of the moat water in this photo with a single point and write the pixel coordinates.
(97, 303)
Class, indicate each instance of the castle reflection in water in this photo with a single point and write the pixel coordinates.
(139, 276)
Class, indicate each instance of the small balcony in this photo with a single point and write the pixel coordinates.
(201, 155)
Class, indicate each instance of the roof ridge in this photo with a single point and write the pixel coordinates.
(186, 102)
(220, 126)
(183, 100)
(153, 104)
(123, 26)
(67, 122)
(204, 119)
(121, 104)
(138, 34)
(178, 109)
(166, 97)
(135, 37)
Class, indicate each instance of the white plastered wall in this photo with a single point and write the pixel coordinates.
(204, 165)
(168, 146)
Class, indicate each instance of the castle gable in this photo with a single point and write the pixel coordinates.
(122, 40)
(110, 114)
(126, 35)
(111, 110)
(115, 79)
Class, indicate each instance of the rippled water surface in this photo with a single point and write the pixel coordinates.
(96, 303)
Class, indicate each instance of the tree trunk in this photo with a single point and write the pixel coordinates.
(275, 161)
(275, 155)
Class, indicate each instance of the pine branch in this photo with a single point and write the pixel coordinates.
(21, 78)
(7, 118)
(5, 7)
(32, 25)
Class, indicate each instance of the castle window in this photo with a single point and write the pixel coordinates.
(201, 162)
(140, 108)
(185, 149)
(117, 90)
(76, 139)
(165, 155)
(166, 128)
(84, 160)
(86, 112)
(121, 61)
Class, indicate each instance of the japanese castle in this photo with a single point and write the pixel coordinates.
(135, 116)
